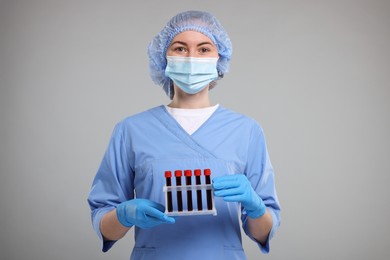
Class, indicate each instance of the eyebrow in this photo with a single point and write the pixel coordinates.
(183, 43)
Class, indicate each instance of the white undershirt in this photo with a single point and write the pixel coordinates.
(191, 119)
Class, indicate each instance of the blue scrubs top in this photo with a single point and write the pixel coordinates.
(144, 146)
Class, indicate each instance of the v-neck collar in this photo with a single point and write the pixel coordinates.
(175, 128)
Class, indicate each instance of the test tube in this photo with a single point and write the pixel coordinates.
(178, 174)
(188, 174)
(197, 174)
(168, 175)
(207, 173)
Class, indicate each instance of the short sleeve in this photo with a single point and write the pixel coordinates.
(260, 173)
(114, 180)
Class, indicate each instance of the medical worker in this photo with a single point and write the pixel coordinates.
(186, 59)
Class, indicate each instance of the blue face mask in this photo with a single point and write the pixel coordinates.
(191, 74)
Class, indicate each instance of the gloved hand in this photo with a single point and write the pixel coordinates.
(142, 213)
(237, 188)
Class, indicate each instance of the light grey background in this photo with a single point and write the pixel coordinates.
(315, 74)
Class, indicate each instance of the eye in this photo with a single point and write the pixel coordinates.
(180, 49)
(204, 50)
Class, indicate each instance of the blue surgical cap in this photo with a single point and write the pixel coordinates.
(199, 21)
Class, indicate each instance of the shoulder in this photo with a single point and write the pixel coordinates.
(141, 117)
(233, 117)
(139, 122)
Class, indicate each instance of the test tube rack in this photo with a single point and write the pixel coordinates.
(201, 194)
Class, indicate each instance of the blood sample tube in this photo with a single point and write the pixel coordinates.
(168, 181)
(207, 173)
(188, 174)
(178, 174)
(197, 174)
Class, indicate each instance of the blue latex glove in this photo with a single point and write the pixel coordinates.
(142, 213)
(237, 188)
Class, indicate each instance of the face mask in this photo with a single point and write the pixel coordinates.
(191, 74)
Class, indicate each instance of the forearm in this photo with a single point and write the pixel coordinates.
(111, 228)
(260, 228)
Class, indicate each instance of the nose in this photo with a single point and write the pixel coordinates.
(192, 53)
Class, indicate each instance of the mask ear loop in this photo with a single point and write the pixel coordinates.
(171, 91)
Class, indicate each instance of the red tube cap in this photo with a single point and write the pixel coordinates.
(187, 173)
(207, 172)
(178, 173)
(197, 172)
(168, 174)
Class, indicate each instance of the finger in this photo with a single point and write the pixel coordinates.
(227, 192)
(232, 177)
(157, 215)
(156, 205)
(234, 198)
(156, 210)
(225, 183)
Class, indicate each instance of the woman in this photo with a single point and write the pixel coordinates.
(186, 58)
